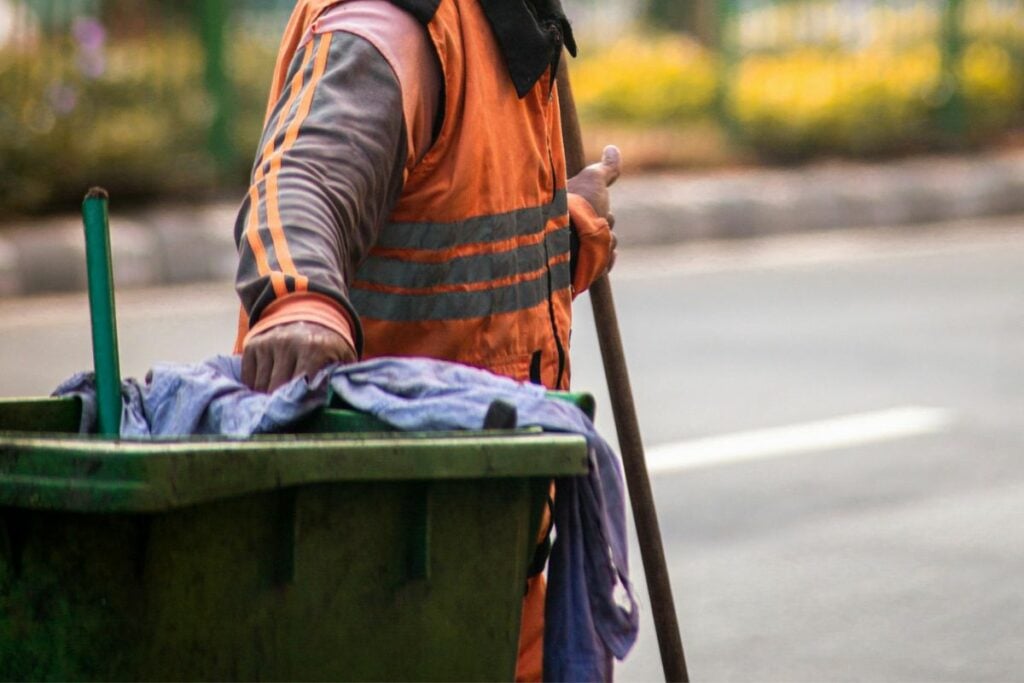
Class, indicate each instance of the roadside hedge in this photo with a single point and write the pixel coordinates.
(644, 79)
(133, 114)
(134, 118)
(810, 101)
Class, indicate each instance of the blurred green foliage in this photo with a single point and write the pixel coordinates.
(120, 100)
(646, 79)
(137, 122)
(798, 103)
(811, 101)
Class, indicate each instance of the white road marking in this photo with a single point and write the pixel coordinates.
(809, 437)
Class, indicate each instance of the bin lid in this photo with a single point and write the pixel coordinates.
(95, 475)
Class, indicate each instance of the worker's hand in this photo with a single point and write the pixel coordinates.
(280, 354)
(592, 184)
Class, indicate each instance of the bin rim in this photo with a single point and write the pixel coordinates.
(72, 473)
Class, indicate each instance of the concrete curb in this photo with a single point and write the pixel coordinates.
(161, 246)
(178, 244)
(669, 209)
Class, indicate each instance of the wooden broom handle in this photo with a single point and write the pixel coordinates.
(652, 553)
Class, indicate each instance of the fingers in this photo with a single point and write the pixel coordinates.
(611, 164)
(282, 353)
(316, 359)
(347, 354)
(264, 368)
(284, 369)
(322, 348)
(249, 366)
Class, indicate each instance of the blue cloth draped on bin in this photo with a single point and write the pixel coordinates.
(591, 613)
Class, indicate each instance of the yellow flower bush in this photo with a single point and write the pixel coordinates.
(646, 80)
(812, 99)
(137, 117)
(995, 21)
(875, 87)
(992, 88)
(878, 100)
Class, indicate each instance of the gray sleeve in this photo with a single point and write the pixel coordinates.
(330, 170)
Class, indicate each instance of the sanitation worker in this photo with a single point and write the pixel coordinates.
(410, 198)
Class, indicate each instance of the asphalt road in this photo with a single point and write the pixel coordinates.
(887, 545)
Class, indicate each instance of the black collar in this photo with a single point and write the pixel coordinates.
(531, 35)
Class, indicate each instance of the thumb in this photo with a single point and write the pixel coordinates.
(611, 164)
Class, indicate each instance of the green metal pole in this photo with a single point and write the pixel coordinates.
(672, 15)
(101, 311)
(213, 17)
(953, 116)
(726, 17)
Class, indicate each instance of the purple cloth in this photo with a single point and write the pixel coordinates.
(590, 615)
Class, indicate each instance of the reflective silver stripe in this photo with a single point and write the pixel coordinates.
(473, 230)
(458, 305)
(459, 271)
(558, 244)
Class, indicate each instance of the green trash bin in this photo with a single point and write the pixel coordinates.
(352, 555)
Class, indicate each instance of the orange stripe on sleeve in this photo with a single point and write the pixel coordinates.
(252, 234)
(296, 88)
(252, 228)
(273, 208)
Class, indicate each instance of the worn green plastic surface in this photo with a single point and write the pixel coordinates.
(40, 415)
(357, 556)
(93, 475)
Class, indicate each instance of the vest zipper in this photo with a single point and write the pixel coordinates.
(551, 284)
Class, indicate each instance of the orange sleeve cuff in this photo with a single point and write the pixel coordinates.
(595, 239)
(306, 307)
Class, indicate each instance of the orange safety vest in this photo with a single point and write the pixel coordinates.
(473, 264)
